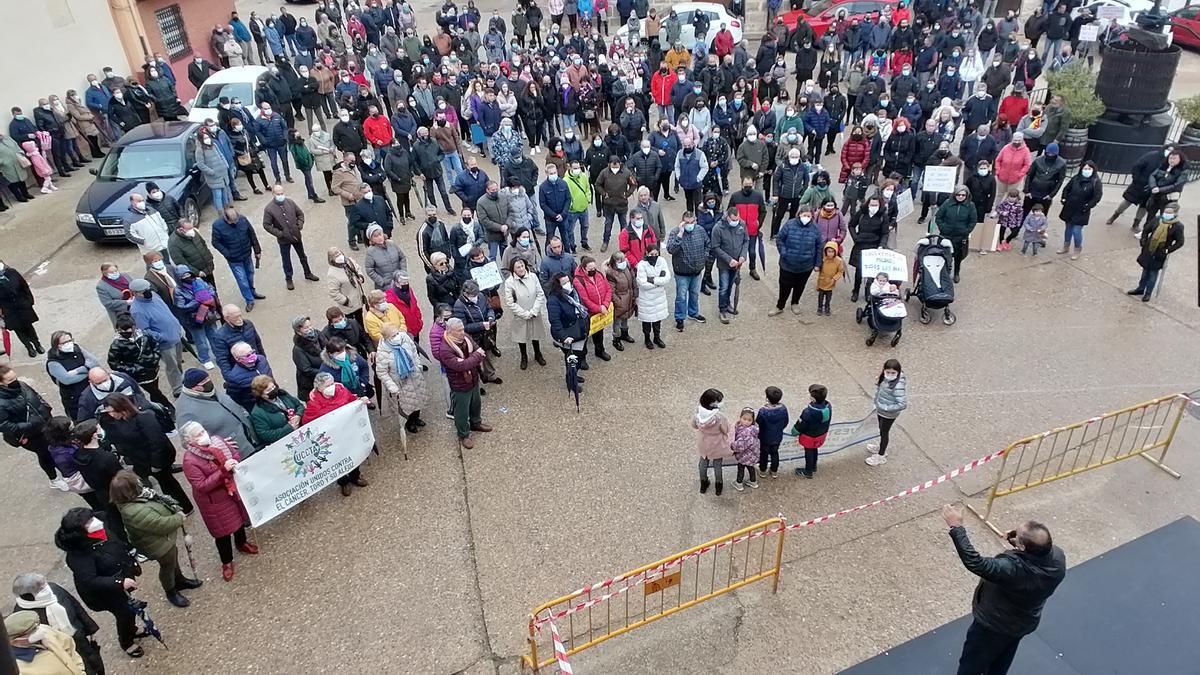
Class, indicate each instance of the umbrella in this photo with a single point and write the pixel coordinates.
(187, 545)
(148, 628)
(421, 193)
(573, 378)
(737, 288)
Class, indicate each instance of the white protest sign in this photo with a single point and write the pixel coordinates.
(487, 276)
(891, 263)
(1089, 33)
(904, 204)
(1105, 13)
(939, 179)
(301, 464)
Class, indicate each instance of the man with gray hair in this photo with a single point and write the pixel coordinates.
(461, 357)
(57, 608)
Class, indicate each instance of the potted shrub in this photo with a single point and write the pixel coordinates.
(1076, 84)
(1188, 109)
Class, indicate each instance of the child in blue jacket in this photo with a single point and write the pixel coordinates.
(771, 419)
(812, 427)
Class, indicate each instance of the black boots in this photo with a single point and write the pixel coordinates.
(646, 334)
(524, 355)
(414, 423)
(658, 342)
(537, 353)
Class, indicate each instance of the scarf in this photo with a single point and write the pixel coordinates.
(1158, 239)
(56, 614)
(121, 283)
(220, 450)
(404, 362)
(580, 310)
(349, 375)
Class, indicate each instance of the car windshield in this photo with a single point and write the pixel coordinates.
(817, 7)
(142, 162)
(210, 94)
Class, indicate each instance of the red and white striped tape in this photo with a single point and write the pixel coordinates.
(635, 581)
(560, 652)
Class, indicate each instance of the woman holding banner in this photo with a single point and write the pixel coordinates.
(208, 464)
(327, 395)
(276, 413)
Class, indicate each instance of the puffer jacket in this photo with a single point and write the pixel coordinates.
(151, 525)
(891, 398)
(212, 165)
(715, 437)
(956, 220)
(137, 357)
(790, 181)
(645, 167)
(594, 291)
(652, 282)
(799, 246)
(271, 131)
(624, 290)
(1013, 586)
(854, 152)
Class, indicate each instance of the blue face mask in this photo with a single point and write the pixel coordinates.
(689, 227)
(339, 324)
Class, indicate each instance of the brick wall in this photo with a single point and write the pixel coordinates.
(199, 18)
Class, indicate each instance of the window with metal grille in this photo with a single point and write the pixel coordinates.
(174, 34)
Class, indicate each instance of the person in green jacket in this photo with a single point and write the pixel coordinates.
(304, 162)
(955, 219)
(276, 413)
(816, 194)
(153, 521)
(580, 187)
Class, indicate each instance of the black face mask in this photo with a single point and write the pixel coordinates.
(207, 387)
(273, 394)
(147, 294)
(15, 385)
(432, 220)
(747, 190)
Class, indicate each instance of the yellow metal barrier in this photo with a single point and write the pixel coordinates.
(588, 617)
(1146, 429)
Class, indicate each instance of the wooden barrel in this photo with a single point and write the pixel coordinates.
(1071, 147)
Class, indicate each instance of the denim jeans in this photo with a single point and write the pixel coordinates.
(609, 214)
(1074, 234)
(219, 199)
(667, 112)
(561, 229)
(233, 172)
(276, 155)
(1052, 48)
(203, 337)
(308, 184)
(496, 249)
(452, 166)
(1147, 282)
(573, 217)
(724, 286)
(687, 296)
(243, 274)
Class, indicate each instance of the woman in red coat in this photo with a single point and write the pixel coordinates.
(401, 296)
(208, 464)
(596, 295)
(856, 149)
(328, 395)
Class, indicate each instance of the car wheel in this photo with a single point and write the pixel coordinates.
(191, 212)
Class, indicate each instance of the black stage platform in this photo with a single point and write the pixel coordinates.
(1132, 610)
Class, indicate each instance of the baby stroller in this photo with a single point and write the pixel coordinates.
(933, 275)
(884, 313)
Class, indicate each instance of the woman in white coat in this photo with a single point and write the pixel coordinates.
(653, 276)
(526, 302)
(402, 375)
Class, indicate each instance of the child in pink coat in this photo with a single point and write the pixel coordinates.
(714, 442)
(746, 448)
(40, 166)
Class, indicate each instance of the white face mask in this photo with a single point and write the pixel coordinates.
(890, 375)
(329, 391)
(383, 307)
(203, 439)
(190, 234)
(806, 219)
(67, 347)
(340, 259)
(622, 265)
(793, 160)
(872, 210)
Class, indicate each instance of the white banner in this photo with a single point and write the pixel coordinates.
(939, 179)
(487, 276)
(891, 263)
(301, 464)
(904, 204)
(1089, 33)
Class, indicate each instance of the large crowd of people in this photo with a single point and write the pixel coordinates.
(580, 125)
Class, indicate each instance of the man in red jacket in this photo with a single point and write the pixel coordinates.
(723, 42)
(660, 91)
(461, 357)
(327, 396)
(378, 130)
(752, 207)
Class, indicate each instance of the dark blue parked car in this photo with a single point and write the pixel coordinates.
(162, 152)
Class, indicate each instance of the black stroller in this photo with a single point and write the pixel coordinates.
(884, 314)
(933, 277)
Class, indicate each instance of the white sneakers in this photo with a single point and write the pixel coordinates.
(876, 460)
(738, 486)
(60, 484)
(753, 484)
(209, 365)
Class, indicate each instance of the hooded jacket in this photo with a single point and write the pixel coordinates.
(715, 437)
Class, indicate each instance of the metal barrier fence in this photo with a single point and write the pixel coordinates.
(593, 614)
(1146, 429)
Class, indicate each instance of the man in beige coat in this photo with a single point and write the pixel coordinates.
(347, 185)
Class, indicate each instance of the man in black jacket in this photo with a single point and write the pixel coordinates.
(1013, 588)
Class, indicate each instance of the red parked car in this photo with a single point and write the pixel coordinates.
(822, 12)
(1185, 18)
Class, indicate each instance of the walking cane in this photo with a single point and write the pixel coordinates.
(187, 546)
(403, 432)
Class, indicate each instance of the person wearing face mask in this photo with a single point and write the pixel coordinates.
(284, 220)
(614, 186)
(23, 418)
(54, 607)
(146, 227)
(1012, 164)
(215, 168)
(646, 165)
(187, 247)
(165, 99)
(103, 571)
(349, 370)
(524, 298)
(237, 241)
(276, 413)
(523, 245)
(40, 648)
(461, 359)
(245, 365)
(790, 182)
(196, 306)
(714, 437)
(1158, 241)
(307, 345)
(982, 186)
(474, 308)
(344, 283)
(891, 399)
(955, 219)
(154, 318)
(209, 461)
(111, 289)
(868, 229)
(1081, 194)
(136, 354)
(978, 146)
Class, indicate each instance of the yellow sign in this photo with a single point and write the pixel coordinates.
(601, 321)
(663, 583)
